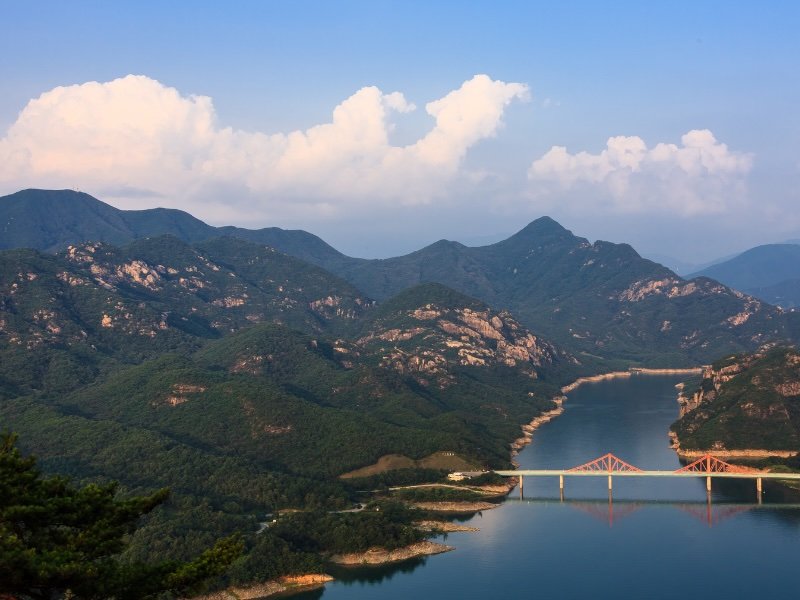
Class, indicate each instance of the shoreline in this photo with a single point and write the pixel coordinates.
(741, 454)
(443, 526)
(456, 507)
(629, 373)
(529, 428)
(381, 556)
(744, 454)
(282, 585)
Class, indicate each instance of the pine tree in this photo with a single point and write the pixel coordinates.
(61, 541)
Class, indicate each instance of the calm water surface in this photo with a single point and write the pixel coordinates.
(658, 539)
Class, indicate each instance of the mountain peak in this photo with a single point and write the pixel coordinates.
(542, 225)
(540, 231)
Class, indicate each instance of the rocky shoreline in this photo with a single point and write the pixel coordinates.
(381, 556)
(443, 526)
(290, 584)
(529, 428)
(282, 585)
(630, 372)
(743, 454)
(455, 507)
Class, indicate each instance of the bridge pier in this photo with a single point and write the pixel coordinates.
(708, 484)
(758, 489)
(521, 484)
(609, 483)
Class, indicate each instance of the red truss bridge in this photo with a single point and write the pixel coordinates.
(611, 466)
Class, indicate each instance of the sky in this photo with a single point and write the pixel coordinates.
(385, 126)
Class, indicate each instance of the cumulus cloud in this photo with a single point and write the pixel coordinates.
(700, 176)
(135, 133)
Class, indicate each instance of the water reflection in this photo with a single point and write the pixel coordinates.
(707, 512)
(649, 530)
(369, 576)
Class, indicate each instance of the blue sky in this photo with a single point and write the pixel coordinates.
(592, 71)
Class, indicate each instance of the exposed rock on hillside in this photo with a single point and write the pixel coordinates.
(743, 403)
(426, 341)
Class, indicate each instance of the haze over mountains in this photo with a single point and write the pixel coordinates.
(770, 272)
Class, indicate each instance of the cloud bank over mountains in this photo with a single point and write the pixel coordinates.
(135, 134)
(139, 141)
(701, 176)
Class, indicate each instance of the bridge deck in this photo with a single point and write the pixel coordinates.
(569, 473)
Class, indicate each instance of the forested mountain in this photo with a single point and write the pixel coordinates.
(744, 402)
(770, 272)
(66, 317)
(600, 300)
(75, 322)
(247, 381)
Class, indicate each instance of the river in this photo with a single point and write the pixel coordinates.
(657, 539)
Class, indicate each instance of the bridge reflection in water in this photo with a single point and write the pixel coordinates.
(706, 512)
(611, 466)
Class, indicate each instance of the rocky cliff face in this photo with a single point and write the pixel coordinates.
(712, 380)
(429, 340)
(745, 402)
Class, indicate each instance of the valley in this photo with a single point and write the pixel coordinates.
(261, 372)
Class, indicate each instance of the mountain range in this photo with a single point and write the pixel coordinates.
(601, 301)
(248, 370)
(247, 380)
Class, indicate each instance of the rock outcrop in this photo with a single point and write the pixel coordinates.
(744, 406)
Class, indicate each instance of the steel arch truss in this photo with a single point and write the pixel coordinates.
(608, 463)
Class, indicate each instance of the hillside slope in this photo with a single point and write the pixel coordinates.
(597, 299)
(65, 318)
(744, 402)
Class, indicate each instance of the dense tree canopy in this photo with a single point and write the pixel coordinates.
(57, 539)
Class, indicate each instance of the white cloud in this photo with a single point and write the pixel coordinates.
(136, 133)
(700, 176)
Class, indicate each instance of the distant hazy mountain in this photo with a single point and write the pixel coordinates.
(770, 272)
(682, 267)
(785, 294)
(51, 220)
